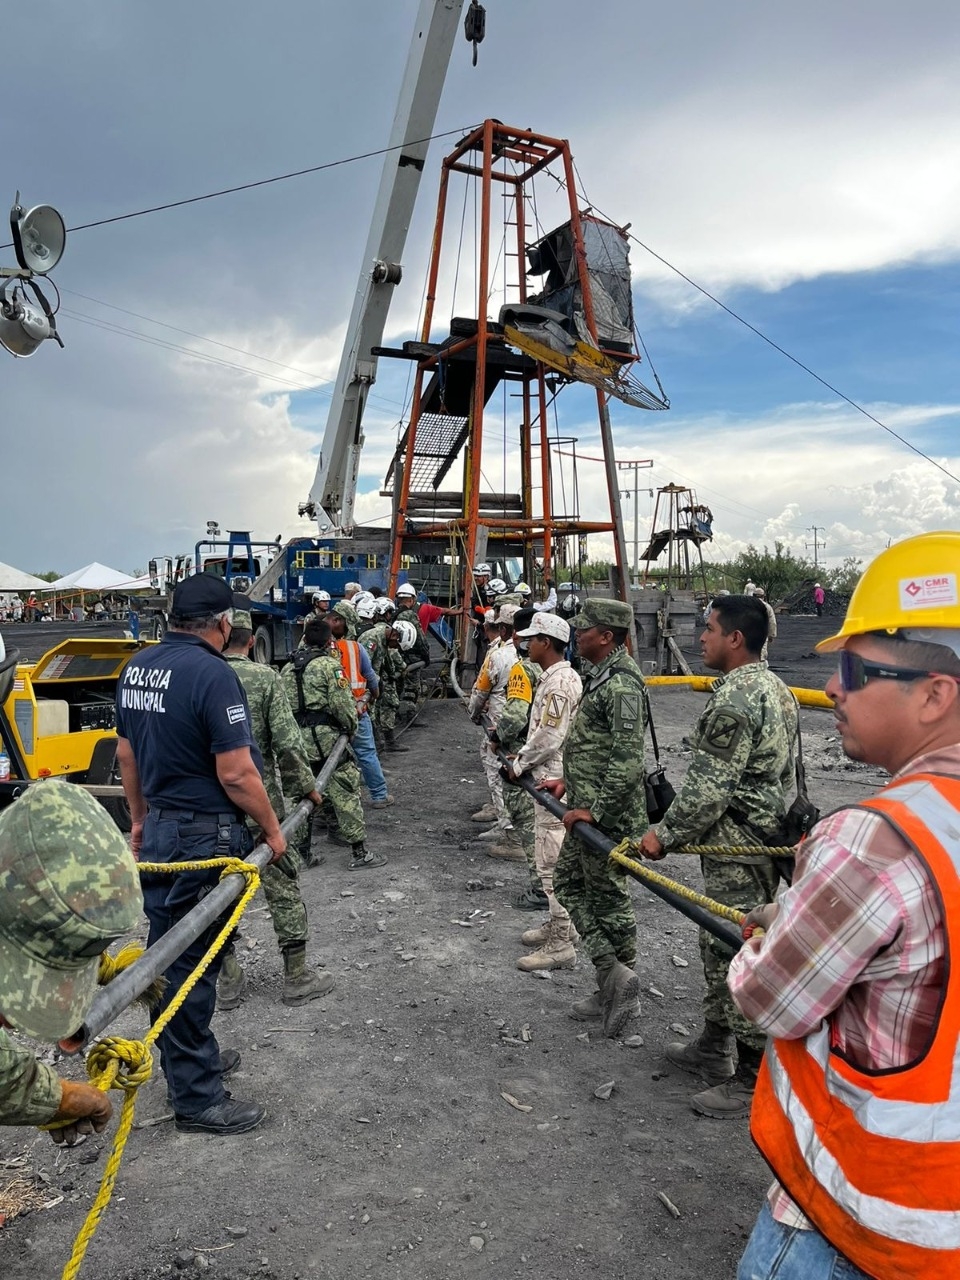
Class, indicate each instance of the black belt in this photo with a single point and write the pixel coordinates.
(196, 815)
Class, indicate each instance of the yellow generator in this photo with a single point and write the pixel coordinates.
(57, 718)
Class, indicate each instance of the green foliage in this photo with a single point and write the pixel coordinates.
(51, 575)
(779, 572)
(845, 576)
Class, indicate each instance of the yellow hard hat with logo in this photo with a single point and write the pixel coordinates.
(912, 586)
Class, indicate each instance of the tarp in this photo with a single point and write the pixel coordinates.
(92, 577)
(12, 579)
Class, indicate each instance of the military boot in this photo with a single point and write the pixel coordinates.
(710, 1057)
(530, 899)
(734, 1097)
(536, 937)
(557, 952)
(619, 989)
(364, 860)
(487, 814)
(392, 742)
(508, 847)
(591, 1010)
(231, 983)
(301, 984)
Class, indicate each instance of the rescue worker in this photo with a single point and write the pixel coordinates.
(761, 595)
(487, 700)
(373, 639)
(68, 888)
(350, 590)
(366, 687)
(321, 602)
(554, 703)
(191, 774)
(394, 668)
(324, 707)
(276, 734)
(345, 609)
(510, 733)
(603, 783)
(733, 794)
(857, 1108)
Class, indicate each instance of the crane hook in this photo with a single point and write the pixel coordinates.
(475, 25)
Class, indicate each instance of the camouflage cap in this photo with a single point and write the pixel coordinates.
(68, 887)
(242, 617)
(602, 613)
(346, 610)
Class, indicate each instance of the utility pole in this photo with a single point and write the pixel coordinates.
(635, 467)
(818, 545)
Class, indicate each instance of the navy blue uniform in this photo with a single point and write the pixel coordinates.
(180, 705)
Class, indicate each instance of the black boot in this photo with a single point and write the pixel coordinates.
(392, 743)
(364, 860)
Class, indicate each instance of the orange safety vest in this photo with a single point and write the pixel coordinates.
(873, 1157)
(349, 652)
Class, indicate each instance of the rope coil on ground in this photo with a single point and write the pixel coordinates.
(118, 1063)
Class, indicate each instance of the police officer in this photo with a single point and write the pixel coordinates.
(68, 888)
(192, 775)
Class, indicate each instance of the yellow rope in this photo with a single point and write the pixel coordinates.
(117, 1063)
(621, 855)
(738, 850)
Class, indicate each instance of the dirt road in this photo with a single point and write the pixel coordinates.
(389, 1148)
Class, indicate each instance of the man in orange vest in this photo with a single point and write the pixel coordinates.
(857, 1108)
(365, 684)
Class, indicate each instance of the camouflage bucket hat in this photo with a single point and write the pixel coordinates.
(602, 613)
(68, 887)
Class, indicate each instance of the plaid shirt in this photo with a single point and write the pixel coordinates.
(860, 936)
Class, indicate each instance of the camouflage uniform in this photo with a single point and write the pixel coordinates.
(326, 691)
(603, 770)
(277, 735)
(68, 885)
(512, 734)
(349, 614)
(733, 794)
(391, 679)
(558, 692)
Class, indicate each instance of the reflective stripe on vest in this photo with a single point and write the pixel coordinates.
(349, 652)
(873, 1159)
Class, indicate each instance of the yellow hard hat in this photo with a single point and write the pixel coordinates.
(912, 585)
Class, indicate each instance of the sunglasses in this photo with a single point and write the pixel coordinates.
(853, 672)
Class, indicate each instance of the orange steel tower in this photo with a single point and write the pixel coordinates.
(576, 328)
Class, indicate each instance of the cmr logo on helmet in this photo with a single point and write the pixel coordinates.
(928, 593)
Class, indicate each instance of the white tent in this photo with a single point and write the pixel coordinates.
(92, 577)
(12, 579)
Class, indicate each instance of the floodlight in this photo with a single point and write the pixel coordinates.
(39, 236)
(24, 326)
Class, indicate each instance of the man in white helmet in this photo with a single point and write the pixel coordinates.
(321, 602)
(857, 1105)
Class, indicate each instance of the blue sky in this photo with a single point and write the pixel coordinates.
(801, 161)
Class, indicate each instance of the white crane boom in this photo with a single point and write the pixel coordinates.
(332, 496)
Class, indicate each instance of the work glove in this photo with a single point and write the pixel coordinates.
(86, 1110)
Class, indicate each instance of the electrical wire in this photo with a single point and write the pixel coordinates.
(260, 182)
(734, 315)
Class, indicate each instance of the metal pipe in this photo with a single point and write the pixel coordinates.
(603, 844)
(113, 998)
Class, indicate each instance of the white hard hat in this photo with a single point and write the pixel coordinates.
(482, 569)
(386, 605)
(407, 633)
(361, 595)
(546, 624)
(365, 608)
(321, 595)
(497, 587)
(523, 589)
(406, 589)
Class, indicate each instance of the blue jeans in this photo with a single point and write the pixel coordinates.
(365, 750)
(776, 1252)
(189, 1053)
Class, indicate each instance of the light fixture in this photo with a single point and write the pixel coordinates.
(39, 236)
(24, 326)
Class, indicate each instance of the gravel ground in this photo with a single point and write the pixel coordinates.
(389, 1148)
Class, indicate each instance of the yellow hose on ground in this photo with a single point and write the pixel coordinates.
(703, 684)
